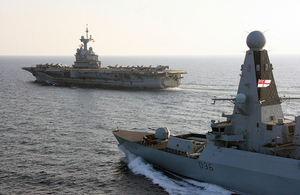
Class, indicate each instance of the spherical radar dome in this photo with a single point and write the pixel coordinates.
(256, 40)
(240, 98)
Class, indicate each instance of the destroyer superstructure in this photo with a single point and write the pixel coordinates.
(255, 150)
(87, 70)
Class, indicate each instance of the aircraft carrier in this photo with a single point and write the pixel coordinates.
(87, 70)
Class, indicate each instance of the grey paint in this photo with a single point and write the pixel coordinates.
(255, 150)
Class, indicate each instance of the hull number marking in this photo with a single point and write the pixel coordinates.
(206, 166)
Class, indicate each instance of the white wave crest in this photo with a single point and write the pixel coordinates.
(174, 186)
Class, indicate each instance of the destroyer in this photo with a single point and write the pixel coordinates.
(87, 70)
(255, 150)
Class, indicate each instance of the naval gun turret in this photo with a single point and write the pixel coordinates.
(257, 122)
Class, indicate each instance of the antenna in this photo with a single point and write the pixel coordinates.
(87, 31)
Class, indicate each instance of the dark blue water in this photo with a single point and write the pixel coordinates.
(58, 140)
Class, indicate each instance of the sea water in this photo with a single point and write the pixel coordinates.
(58, 140)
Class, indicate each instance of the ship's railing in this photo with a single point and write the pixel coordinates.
(162, 146)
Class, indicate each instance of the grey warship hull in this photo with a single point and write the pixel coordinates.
(255, 150)
(87, 70)
(226, 167)
(150, 79)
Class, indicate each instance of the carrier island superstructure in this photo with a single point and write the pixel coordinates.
(87, 70)
(256, 150)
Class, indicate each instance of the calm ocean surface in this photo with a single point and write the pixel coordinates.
(58, 140)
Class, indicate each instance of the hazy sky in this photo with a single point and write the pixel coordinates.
(147, 27)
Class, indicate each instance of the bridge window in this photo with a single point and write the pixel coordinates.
(215, 129)
(269, 127)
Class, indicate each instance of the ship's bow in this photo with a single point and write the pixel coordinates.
(131, 136)
(29, 69)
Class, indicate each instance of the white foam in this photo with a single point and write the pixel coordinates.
(174, 186)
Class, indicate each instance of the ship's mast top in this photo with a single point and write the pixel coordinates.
(256, 41)
(87, 39)
(87, 31)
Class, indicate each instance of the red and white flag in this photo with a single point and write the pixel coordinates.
(263, 83)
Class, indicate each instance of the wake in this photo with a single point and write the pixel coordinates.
(172, 184)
